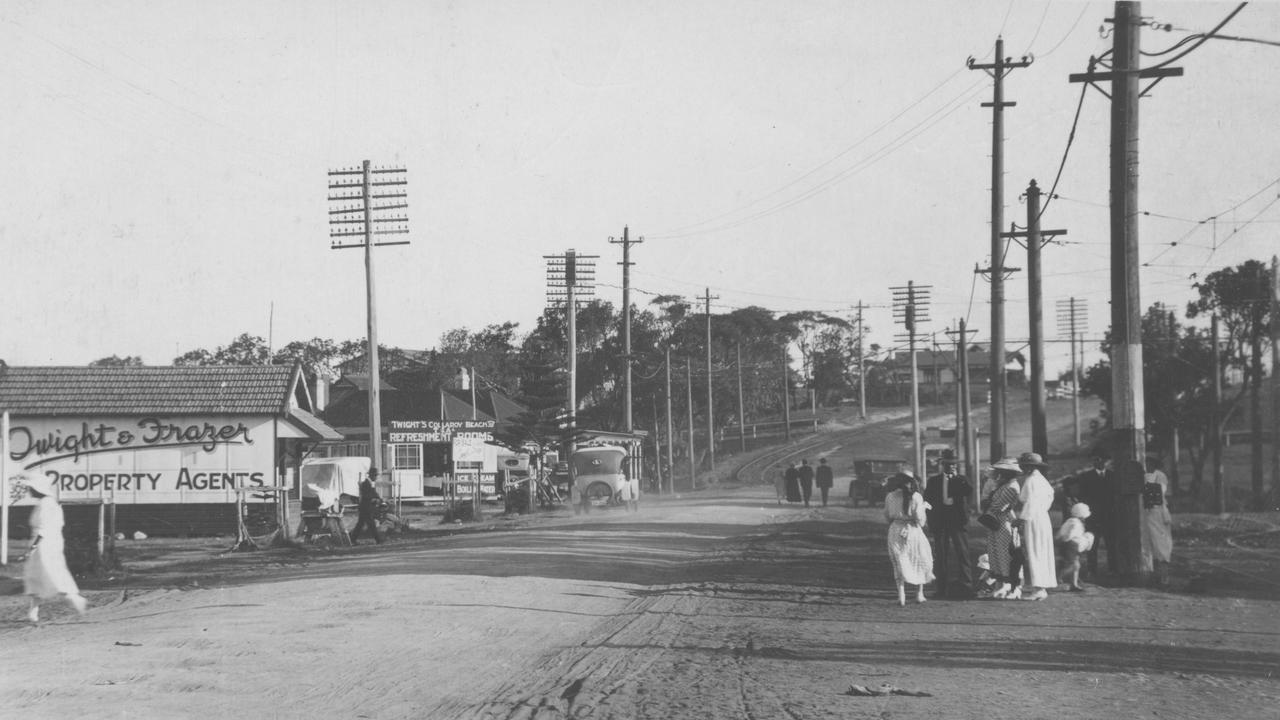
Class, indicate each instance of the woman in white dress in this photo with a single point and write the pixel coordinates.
(1157, 523)
(1040, 567)
(908, 547)
(45, 574)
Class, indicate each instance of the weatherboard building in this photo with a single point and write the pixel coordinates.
(169, 447)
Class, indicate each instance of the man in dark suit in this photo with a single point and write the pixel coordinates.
(1096, 488)
(948, 493)
(806, 481)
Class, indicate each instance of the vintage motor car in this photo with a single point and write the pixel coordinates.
(869, 477)
(599, 478)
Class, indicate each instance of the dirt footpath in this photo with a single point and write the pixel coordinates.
(716, 606)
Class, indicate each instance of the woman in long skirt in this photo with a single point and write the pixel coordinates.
(1003, 552)
(909, 549)
(45, 574)
(1040, 568)
(1157, 523)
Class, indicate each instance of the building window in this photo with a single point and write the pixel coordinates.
(406, 457)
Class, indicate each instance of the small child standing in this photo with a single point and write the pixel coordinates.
(1074, 540)
(987, 583)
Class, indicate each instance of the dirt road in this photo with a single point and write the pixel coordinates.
(720, 605)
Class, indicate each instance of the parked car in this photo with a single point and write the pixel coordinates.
(869, 478)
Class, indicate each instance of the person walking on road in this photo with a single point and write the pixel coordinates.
(792, 480)
(948, 494)
(904, 508)
(825, 480)
(806, 481)
(1037, 529)
(367, 509)
(1004, 547)
(45, 574)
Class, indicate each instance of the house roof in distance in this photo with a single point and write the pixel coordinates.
(210, 390)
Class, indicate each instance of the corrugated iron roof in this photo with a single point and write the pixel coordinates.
(218, 390)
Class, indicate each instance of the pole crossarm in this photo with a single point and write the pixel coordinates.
(1022, 235)
(1092, 78)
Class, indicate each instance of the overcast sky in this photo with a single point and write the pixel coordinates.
(166, 161)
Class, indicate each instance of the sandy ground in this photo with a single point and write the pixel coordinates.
(715, 605)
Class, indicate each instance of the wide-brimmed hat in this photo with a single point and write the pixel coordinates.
(948, 456)
(1006, 464)
(1081, 511)
(37, 483)
(1032, 459)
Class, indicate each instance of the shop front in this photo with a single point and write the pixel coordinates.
(174, 451)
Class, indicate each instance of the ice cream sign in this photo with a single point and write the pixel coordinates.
(149, 459)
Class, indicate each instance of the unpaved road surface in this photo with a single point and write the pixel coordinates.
(718, 605)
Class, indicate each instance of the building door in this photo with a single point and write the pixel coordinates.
(406, 470)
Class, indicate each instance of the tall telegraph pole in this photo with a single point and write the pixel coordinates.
(362, 196)
(1127, 410)
(911, 308)
(568, 275)
(862, 369)
(997, 70)
(711, 428)
(1035, 240)
(626, 264)
(1073, 315)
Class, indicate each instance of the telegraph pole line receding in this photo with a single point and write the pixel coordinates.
(359, 213)
(626, 264)
(1129, 444)
(997, 70)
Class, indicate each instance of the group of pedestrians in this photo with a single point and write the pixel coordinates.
(797, 482)
(1023, 548)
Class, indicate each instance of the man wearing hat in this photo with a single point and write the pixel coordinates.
(948, 495)
(1095, 488)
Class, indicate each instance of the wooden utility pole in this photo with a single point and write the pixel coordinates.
(911, 308)
(1275, 374)
(711, 428)
(1129, 445)
(568, 275)
(964, 410)
(1215, 420)
(1072, 315)
(1035, 238)
(688, 384)
(657, 444)
(359, 215)
(970, 462)
(742, 412)
(862, 370)
(671, 435)
(626, 264)
(997, 70)
(786, 391)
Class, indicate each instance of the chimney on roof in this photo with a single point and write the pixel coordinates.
(320, 392)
